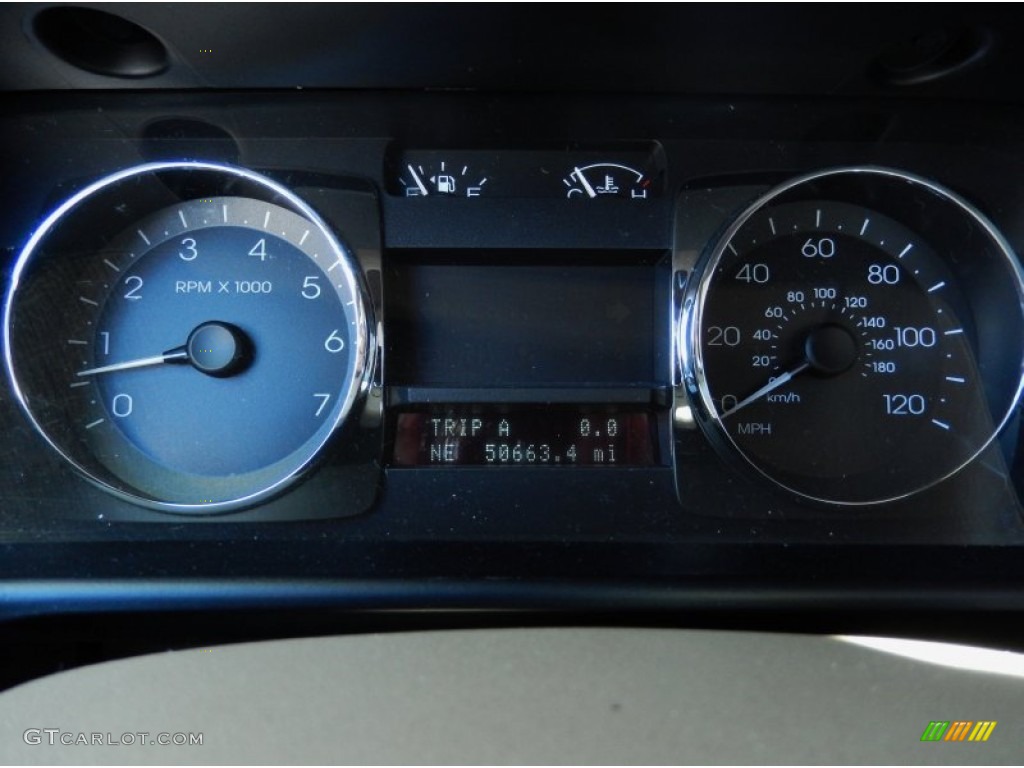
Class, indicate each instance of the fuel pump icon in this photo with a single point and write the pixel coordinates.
(445, 184)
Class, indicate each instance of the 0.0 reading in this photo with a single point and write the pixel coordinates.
(525, 436)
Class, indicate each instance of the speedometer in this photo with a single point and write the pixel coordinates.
(837, 340)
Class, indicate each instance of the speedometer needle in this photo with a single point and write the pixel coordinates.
(830, 349)
(772, 385)
(586, 184)
(173, 356)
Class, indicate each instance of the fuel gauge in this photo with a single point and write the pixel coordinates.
(607, 180)
(441, 178)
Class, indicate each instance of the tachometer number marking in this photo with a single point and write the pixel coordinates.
(134, 284)
(324, 398)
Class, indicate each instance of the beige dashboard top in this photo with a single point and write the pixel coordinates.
(593, 696)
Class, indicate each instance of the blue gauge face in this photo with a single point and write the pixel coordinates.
(207, 353)
(222, 422)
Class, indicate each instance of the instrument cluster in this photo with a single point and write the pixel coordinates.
(590, 323)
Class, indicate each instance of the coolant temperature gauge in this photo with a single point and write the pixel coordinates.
(441, 178)
(607, 180)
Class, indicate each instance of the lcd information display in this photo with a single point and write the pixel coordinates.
(507, 319)
(525, 436)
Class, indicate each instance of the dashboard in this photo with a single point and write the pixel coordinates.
(347, 342)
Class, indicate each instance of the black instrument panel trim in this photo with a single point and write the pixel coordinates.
(23, 599)
(480, 538)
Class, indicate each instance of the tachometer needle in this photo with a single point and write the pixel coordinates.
(586, 184)
(772, 385)
(179, 355)
(418, 180)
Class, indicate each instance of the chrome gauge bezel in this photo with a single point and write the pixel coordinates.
(260, 189)
(699, 284)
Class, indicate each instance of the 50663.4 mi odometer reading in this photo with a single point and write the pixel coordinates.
(526, 436)
(833, 344)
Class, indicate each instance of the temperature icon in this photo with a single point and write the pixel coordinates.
(607, 180)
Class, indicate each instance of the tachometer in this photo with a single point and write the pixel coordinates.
(838, 339)
(187, 335)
